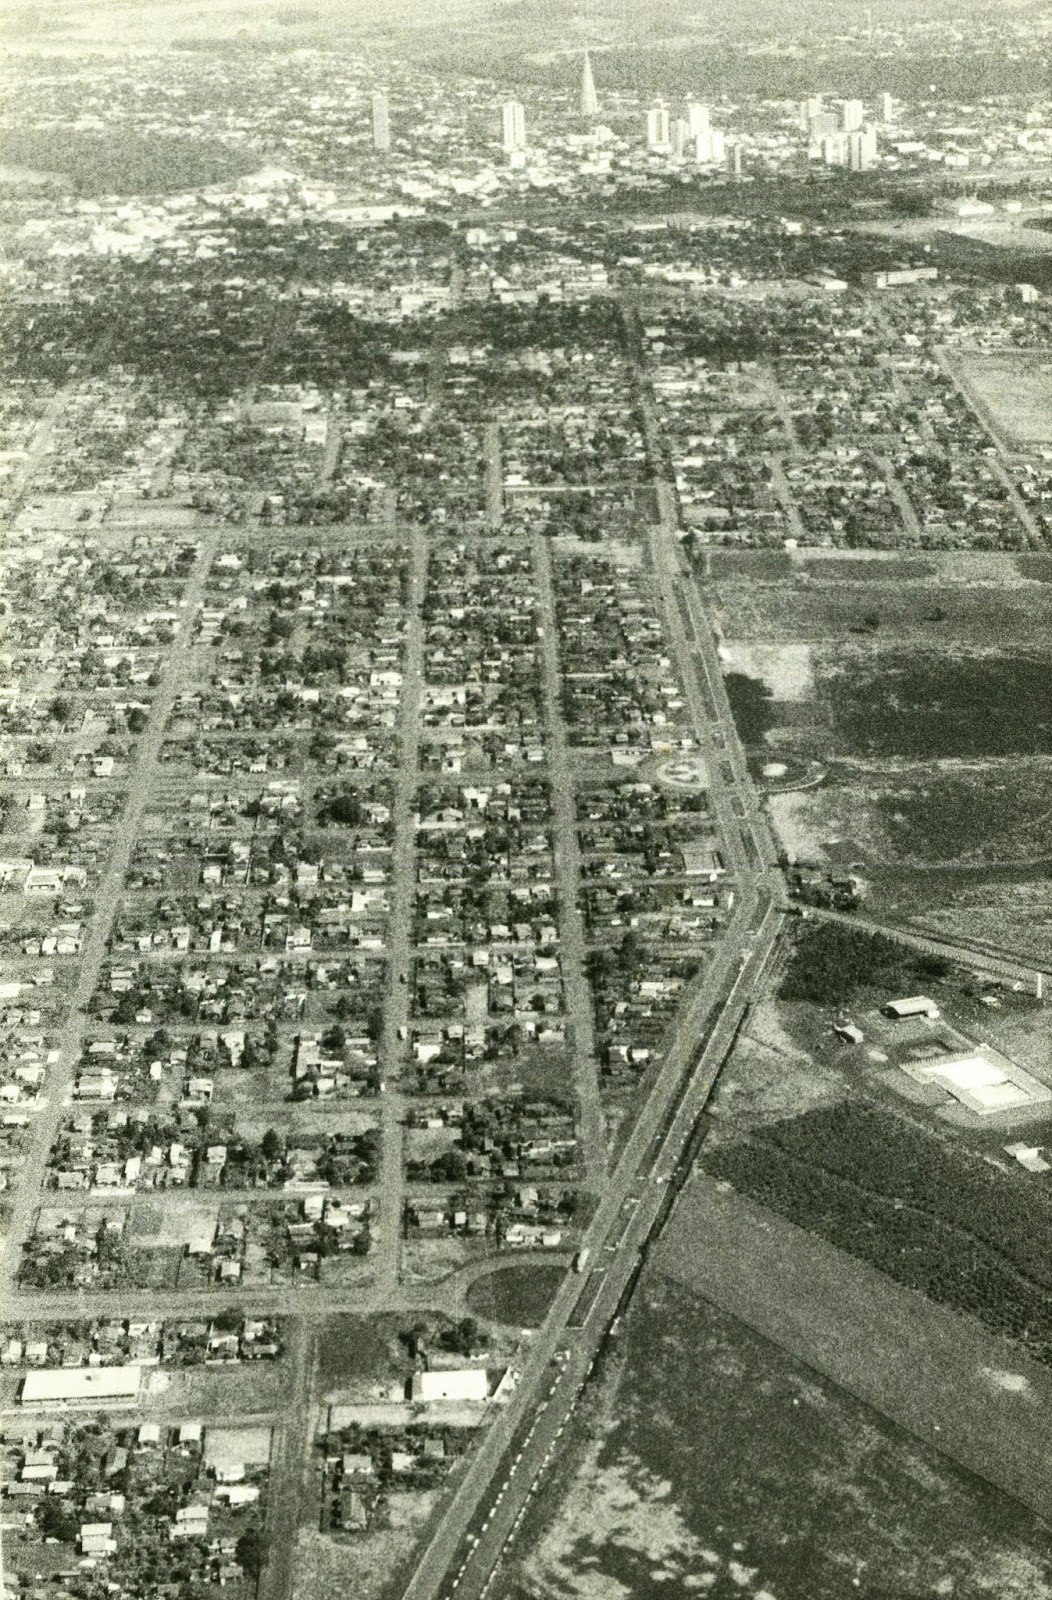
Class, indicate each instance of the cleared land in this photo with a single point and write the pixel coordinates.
(938, 1375)
(924, 704)
(899, 817)
(925, 1210)
(1011, 908)
(1012, 390)
(707, 1461)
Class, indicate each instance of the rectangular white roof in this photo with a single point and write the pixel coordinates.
(83, 1384)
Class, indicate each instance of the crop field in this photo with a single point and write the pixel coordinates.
(927, 1212)
(709, 1462)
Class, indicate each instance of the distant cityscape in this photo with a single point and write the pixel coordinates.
(524, 790)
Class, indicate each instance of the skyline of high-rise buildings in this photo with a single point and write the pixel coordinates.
(840, 134)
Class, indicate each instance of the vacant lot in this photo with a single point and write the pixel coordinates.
(710, 1463)
(1010, 910)
(371, 1567)
(356, 1351)
(1013, 390)
(890, 606)
(936, 704)
(989, 813)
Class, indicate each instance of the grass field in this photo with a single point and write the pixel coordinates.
(943, 1377)
(1013, 388)
(991, 813)
(823, 605)
(709, 1462)
(1011, 910)
(374, 1567)
(519, 1297)
(988, 818)
(937, 704)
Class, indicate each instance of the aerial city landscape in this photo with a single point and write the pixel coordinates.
(525, 790)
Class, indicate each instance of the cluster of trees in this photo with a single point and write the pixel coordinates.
(830, 963)
(344, 808)
(124, 162)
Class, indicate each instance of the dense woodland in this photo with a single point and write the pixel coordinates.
(831, 963)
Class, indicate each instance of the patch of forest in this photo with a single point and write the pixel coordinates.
(124, 161)
(832, 962)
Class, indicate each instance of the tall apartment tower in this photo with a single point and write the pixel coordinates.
(887, 108)
(735, 161)
(514, 123)
(381, 122)
(698, 119)
(589, 98)
(809, 109)
(658, 131)
(853, 112)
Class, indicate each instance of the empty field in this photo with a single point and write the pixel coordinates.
(925, 704)
(829, 607)
(1012, 390)
(707, 1461)
(932, 1215)
(938, 1375)
(900, 818)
